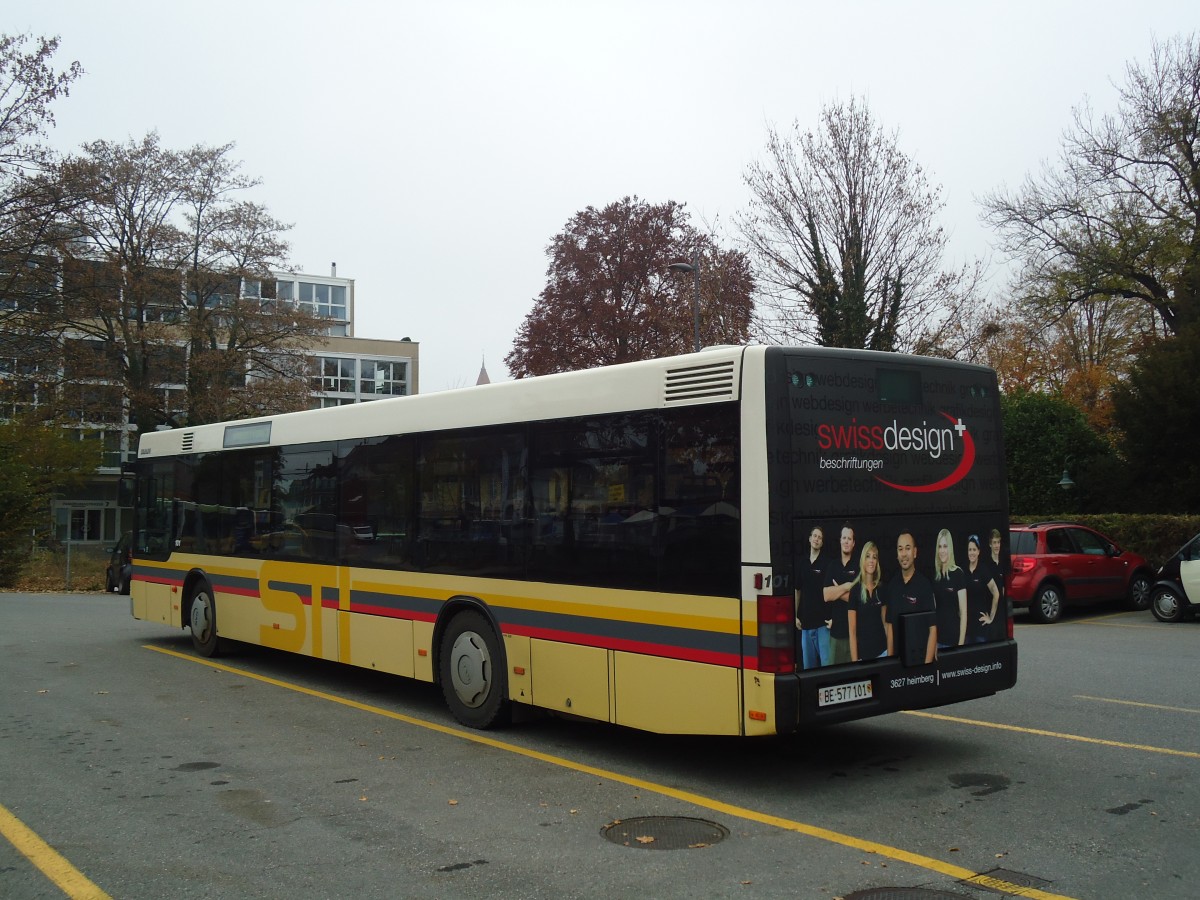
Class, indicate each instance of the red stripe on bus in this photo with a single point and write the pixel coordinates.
(688, 654)
(240, 592)
(392, 613)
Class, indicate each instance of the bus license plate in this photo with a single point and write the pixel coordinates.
(844, 693)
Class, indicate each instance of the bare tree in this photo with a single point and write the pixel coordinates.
(1119, 216)
(29, 201)
(842, 233)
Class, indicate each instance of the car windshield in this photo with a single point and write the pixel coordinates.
(1191, 550)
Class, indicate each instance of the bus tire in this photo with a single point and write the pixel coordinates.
(472, 669)
(202, 620)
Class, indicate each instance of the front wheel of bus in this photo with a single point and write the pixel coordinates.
(472, 671)
(202, 618)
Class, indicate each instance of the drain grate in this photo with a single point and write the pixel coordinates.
(664, 832)
(1000, 881)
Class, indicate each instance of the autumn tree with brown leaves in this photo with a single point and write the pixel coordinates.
(1075, 351)
(157, 256)
(610, 296)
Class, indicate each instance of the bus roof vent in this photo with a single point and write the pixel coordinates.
(698, 383)
(185, 445)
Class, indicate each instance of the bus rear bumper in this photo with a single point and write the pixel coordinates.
(835, 694)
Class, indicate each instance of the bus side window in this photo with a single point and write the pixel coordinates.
(374, 518)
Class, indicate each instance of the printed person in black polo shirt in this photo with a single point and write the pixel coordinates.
(842, 574)
(909, 591)
(950, 591)
(810, 604)
(983, 596)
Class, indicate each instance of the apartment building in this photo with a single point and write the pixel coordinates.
(347, 369)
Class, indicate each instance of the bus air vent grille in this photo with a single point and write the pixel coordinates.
(709, 382)
(186, 444)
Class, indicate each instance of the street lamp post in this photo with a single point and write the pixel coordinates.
(694, 268)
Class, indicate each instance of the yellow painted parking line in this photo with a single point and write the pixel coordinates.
(49, 861)
(1182, 709)
(719, 806)
(1116, 624)
(1104, 620)
(1146, 748)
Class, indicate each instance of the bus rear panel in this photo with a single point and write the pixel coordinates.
(900, 458)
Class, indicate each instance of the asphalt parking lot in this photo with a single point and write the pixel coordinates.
(135, 769)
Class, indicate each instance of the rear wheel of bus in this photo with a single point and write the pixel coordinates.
(471, 669)
(202, 619)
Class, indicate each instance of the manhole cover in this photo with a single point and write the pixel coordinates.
(901, 893)
(664, 833)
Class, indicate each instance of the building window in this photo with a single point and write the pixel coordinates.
(167, 364)
(285, 290)
(88, 358)
(325, 300)
(381, 377)
(336, 375)
(94, 403)
(92, 524)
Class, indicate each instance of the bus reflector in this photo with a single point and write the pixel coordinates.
(776, 634)
(758, 715)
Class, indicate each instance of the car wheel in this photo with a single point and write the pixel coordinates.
(1047, 606)
(1139, 591)
(125, 584)
(110, 585)
(472, 671)
(1167, 605)
(202, 617)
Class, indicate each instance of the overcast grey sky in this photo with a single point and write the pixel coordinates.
(432, 149)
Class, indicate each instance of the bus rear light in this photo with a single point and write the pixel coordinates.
(776, 634)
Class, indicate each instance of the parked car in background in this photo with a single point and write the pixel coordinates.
(1176, 594)
(120, 566)
(1060, 563)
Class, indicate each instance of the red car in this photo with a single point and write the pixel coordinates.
(1056, 563)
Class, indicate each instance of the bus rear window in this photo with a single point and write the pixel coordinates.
(896, 386)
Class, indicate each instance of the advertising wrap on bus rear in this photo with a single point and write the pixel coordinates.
(883, 437)
(888, 498)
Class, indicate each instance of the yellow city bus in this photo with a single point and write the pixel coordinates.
(632, 544)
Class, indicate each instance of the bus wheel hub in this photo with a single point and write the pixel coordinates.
(469, 669)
